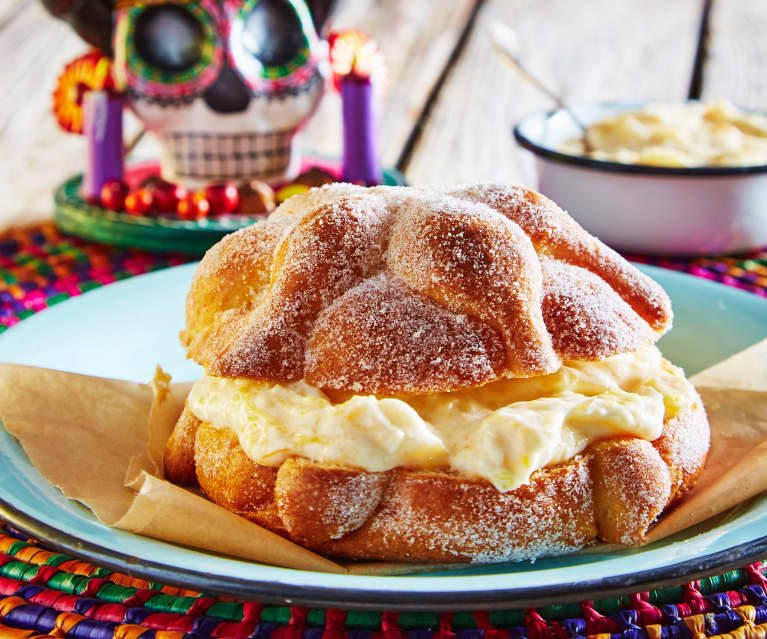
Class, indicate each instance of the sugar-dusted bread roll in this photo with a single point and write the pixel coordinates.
(433, 374)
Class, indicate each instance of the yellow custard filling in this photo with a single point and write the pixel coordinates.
(678, 135)
(503, 431)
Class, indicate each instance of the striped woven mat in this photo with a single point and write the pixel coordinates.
(43, 593)
(46, 593)
(40, 267)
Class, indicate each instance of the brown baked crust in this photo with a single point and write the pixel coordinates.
(412, 290)
(614, 491)
(178, 458)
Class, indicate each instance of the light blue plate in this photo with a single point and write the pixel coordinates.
(125, 329)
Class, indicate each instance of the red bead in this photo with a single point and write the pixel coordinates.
(193, 206)
(113, 195)
(224, 198)
(139, 202)
(165, 196)
(181, 192)
(203, 207)
(186, 209)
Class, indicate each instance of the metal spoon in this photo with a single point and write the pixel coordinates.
(507, 44)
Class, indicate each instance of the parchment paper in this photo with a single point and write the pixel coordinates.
(100, 441)
(734, 393)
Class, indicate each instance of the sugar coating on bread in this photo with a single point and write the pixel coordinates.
(554, 233)
(506, 283)
(471, 260)
(443, 517)
(683, 443)
(614, 491)
(432, 347)
(414, 290)
(581, 310)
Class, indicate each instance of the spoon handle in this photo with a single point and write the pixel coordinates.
(504, 40)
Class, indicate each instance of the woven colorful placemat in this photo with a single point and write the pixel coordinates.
(39, 267)
(44, 593)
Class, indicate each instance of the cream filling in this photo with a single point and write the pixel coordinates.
(678, 135)
(503, 431)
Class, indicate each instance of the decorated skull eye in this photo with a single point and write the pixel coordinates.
(169, 37)
(273, 45)
(273, 33)
(168, 52)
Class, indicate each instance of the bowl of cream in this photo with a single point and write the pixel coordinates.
(685, 178)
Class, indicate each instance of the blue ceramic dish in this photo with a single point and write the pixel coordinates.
(124, 329)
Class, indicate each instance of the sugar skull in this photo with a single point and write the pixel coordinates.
(224, 84)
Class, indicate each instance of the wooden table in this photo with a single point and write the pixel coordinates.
(452, 101)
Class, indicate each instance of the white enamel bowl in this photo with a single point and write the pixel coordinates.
(646, 209)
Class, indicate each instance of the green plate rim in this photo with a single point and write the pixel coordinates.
(75, 216)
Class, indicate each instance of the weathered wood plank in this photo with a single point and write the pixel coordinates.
(34, 154)
(737, 53)
(8, 10)
(595, 50)
(416, 39)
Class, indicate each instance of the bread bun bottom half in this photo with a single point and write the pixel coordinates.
(614, 490)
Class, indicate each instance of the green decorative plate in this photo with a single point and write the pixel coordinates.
(162, 233)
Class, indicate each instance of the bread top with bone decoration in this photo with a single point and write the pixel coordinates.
(392, 290)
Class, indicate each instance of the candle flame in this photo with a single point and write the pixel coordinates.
(354, 54)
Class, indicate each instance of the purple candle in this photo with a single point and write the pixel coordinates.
(358, 71)
(103, 128)
(360, 156)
